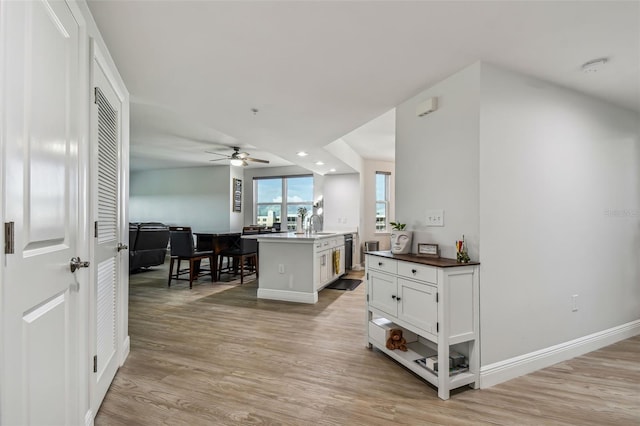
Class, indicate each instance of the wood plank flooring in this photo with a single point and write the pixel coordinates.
(216, 355)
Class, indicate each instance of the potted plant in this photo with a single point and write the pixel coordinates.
(302, 212)
(400, 238)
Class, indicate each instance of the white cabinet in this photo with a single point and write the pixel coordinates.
(329, 261)
(436, 300)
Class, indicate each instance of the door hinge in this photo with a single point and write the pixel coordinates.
(437, 327)
(95, 229)
(367, 276)
(367, 297)
(437, 297)
(95, 363)
(9, 238)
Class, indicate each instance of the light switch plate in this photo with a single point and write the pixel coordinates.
(435, 217)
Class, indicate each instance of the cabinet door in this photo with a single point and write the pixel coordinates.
(383, 292)
(321, 268)
(418, 305)
(340, 271)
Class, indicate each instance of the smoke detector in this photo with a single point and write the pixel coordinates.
(594, 65)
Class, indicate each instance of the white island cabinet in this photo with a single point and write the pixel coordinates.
(294, 267)
(436, 304)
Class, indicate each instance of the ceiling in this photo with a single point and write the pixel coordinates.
(315, 71)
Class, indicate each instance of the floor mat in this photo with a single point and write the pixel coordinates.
(344, 284)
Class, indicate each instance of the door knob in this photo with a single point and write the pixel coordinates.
(122, 246)
(76, 263)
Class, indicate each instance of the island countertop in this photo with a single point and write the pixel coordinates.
(293, 237)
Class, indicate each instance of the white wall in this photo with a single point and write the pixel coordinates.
(342, 202)
(559, 215)
(199, 197)
(368, 203)
(437, 163)
(545, 184)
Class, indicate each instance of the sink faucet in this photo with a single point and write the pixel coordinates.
(312, 226)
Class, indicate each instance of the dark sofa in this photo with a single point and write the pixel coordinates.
(148, 244)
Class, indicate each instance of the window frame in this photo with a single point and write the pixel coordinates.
(284, 203)
(386, 201)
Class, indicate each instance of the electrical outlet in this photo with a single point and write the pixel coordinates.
(574, 303)
(435, 217)
(281, 268)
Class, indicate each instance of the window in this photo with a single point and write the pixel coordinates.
(270, 203)
(382, 201)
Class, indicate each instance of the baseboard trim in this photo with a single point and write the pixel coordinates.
(502, 371)
(126, 348)
(288, 296)
(88, 418)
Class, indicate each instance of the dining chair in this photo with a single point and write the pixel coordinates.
(183, 248)
(243, 255)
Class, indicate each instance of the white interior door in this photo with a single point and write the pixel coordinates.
(40, 134)
(106, 145)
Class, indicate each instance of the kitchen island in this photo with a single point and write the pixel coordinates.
(294, 267)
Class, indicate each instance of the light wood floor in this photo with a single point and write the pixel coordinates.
(216, 355)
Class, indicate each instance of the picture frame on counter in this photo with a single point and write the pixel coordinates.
(428, 250)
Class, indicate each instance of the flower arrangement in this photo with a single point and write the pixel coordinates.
(302, 212)
(461, 251)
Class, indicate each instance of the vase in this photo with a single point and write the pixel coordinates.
(401, 242)
(299, 228)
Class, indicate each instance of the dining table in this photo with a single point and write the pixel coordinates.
(216, 241)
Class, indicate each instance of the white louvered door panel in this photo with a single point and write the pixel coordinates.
(106, 312)
(106, 143)
(107, 169)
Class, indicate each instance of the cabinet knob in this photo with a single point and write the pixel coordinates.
(393, 296)
(413, 271)
(398, 299)
(379, 263)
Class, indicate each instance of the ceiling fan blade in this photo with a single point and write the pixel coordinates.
(256, 160)
(216, 153)
(242, 155)
(220, 159)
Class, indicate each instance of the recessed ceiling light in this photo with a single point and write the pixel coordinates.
(332, 170)
(301, 154)
(319, 163)
(594, 65)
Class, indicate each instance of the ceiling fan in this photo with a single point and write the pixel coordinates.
(238, 158)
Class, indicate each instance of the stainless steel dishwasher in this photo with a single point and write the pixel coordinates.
(348, 252)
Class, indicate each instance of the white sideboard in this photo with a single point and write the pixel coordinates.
(436, 303)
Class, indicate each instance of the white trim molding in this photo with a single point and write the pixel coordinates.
(126, 348)
(502, 371)
(287, 296)
(89, 418)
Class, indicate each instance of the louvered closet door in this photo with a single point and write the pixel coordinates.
(105, 173)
